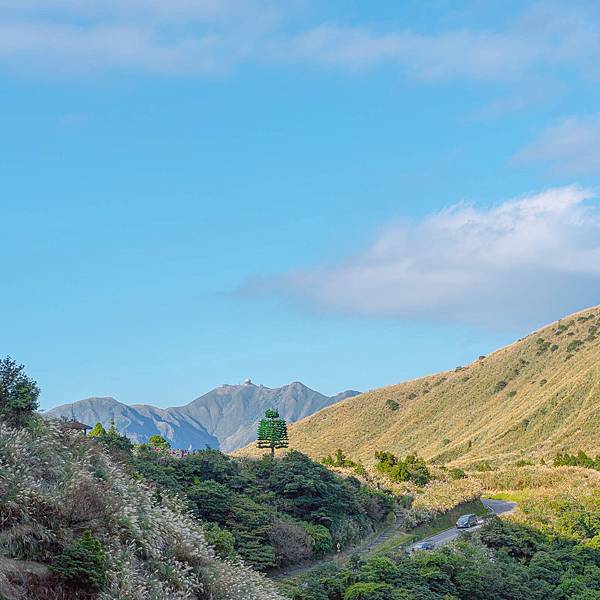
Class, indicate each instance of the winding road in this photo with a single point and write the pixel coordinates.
(496, 507)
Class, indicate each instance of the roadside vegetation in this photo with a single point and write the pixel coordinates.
(270, 512)
(548, 549)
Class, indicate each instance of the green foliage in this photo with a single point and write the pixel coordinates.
(574, 345)
(503, 560)
(220, 539)
(112, 439)
(392, 405)
(370, 591)
(581, 459)
(18, 394)
(158, 442)
(320, 538)
(411, 468)
(82, 564)
(457, 473)
(276, 510)
(97, 430)
(342, 461)
(272, 432)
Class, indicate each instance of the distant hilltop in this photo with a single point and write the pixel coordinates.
(528, 401)
(224, 418)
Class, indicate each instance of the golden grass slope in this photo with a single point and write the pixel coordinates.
(528, 400)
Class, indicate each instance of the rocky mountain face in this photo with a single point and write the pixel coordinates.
(225, 418)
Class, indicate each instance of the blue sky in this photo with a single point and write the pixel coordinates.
(343, 193)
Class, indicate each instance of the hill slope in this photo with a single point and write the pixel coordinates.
(58, 487)
(532, 398)
(225, 418)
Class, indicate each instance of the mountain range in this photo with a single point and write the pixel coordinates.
(527, 401)
(224, 418)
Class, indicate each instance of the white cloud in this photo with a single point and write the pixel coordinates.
(524, 260)
(570, 147)
(200, 36)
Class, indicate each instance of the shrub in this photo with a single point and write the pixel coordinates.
(392, 405)
(457, 473)
(320, 539)
(574, 345)
(97, 430)
(82, 564)
(581, 459)
(291, 541)
(220, 539)
(500, 386)
(412, 468)
(158, 442)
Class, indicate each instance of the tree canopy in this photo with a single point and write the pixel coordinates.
(272, 432)
(18, 393)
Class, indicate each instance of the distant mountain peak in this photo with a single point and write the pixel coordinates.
(226, 417)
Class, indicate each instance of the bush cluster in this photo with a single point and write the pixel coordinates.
(503, 561)
(581, 459)
(278, 511)
(412, 468)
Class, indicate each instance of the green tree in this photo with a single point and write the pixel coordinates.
(18, 393)
(158, 442)
(272, 432)
(114, 440)
(83, 563)
(97, 431)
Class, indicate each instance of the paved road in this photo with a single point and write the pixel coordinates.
(497, 507)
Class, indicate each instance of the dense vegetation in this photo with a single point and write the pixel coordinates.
(271, 512)
(504, 561)
(581, 459)
(412, 468)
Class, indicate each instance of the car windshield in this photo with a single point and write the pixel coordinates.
(463, 520)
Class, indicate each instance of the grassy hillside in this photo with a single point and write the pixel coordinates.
(75, 524)
(528, 400)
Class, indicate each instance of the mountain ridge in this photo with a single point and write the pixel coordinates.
(225, 417)
(528, 400)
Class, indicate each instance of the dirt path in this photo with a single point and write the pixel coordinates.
(364, 548)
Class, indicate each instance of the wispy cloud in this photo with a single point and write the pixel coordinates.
(212, 36)
(570, 147)
(523, 260)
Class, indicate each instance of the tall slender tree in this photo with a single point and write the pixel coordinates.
(18, 393)
(272, 432)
